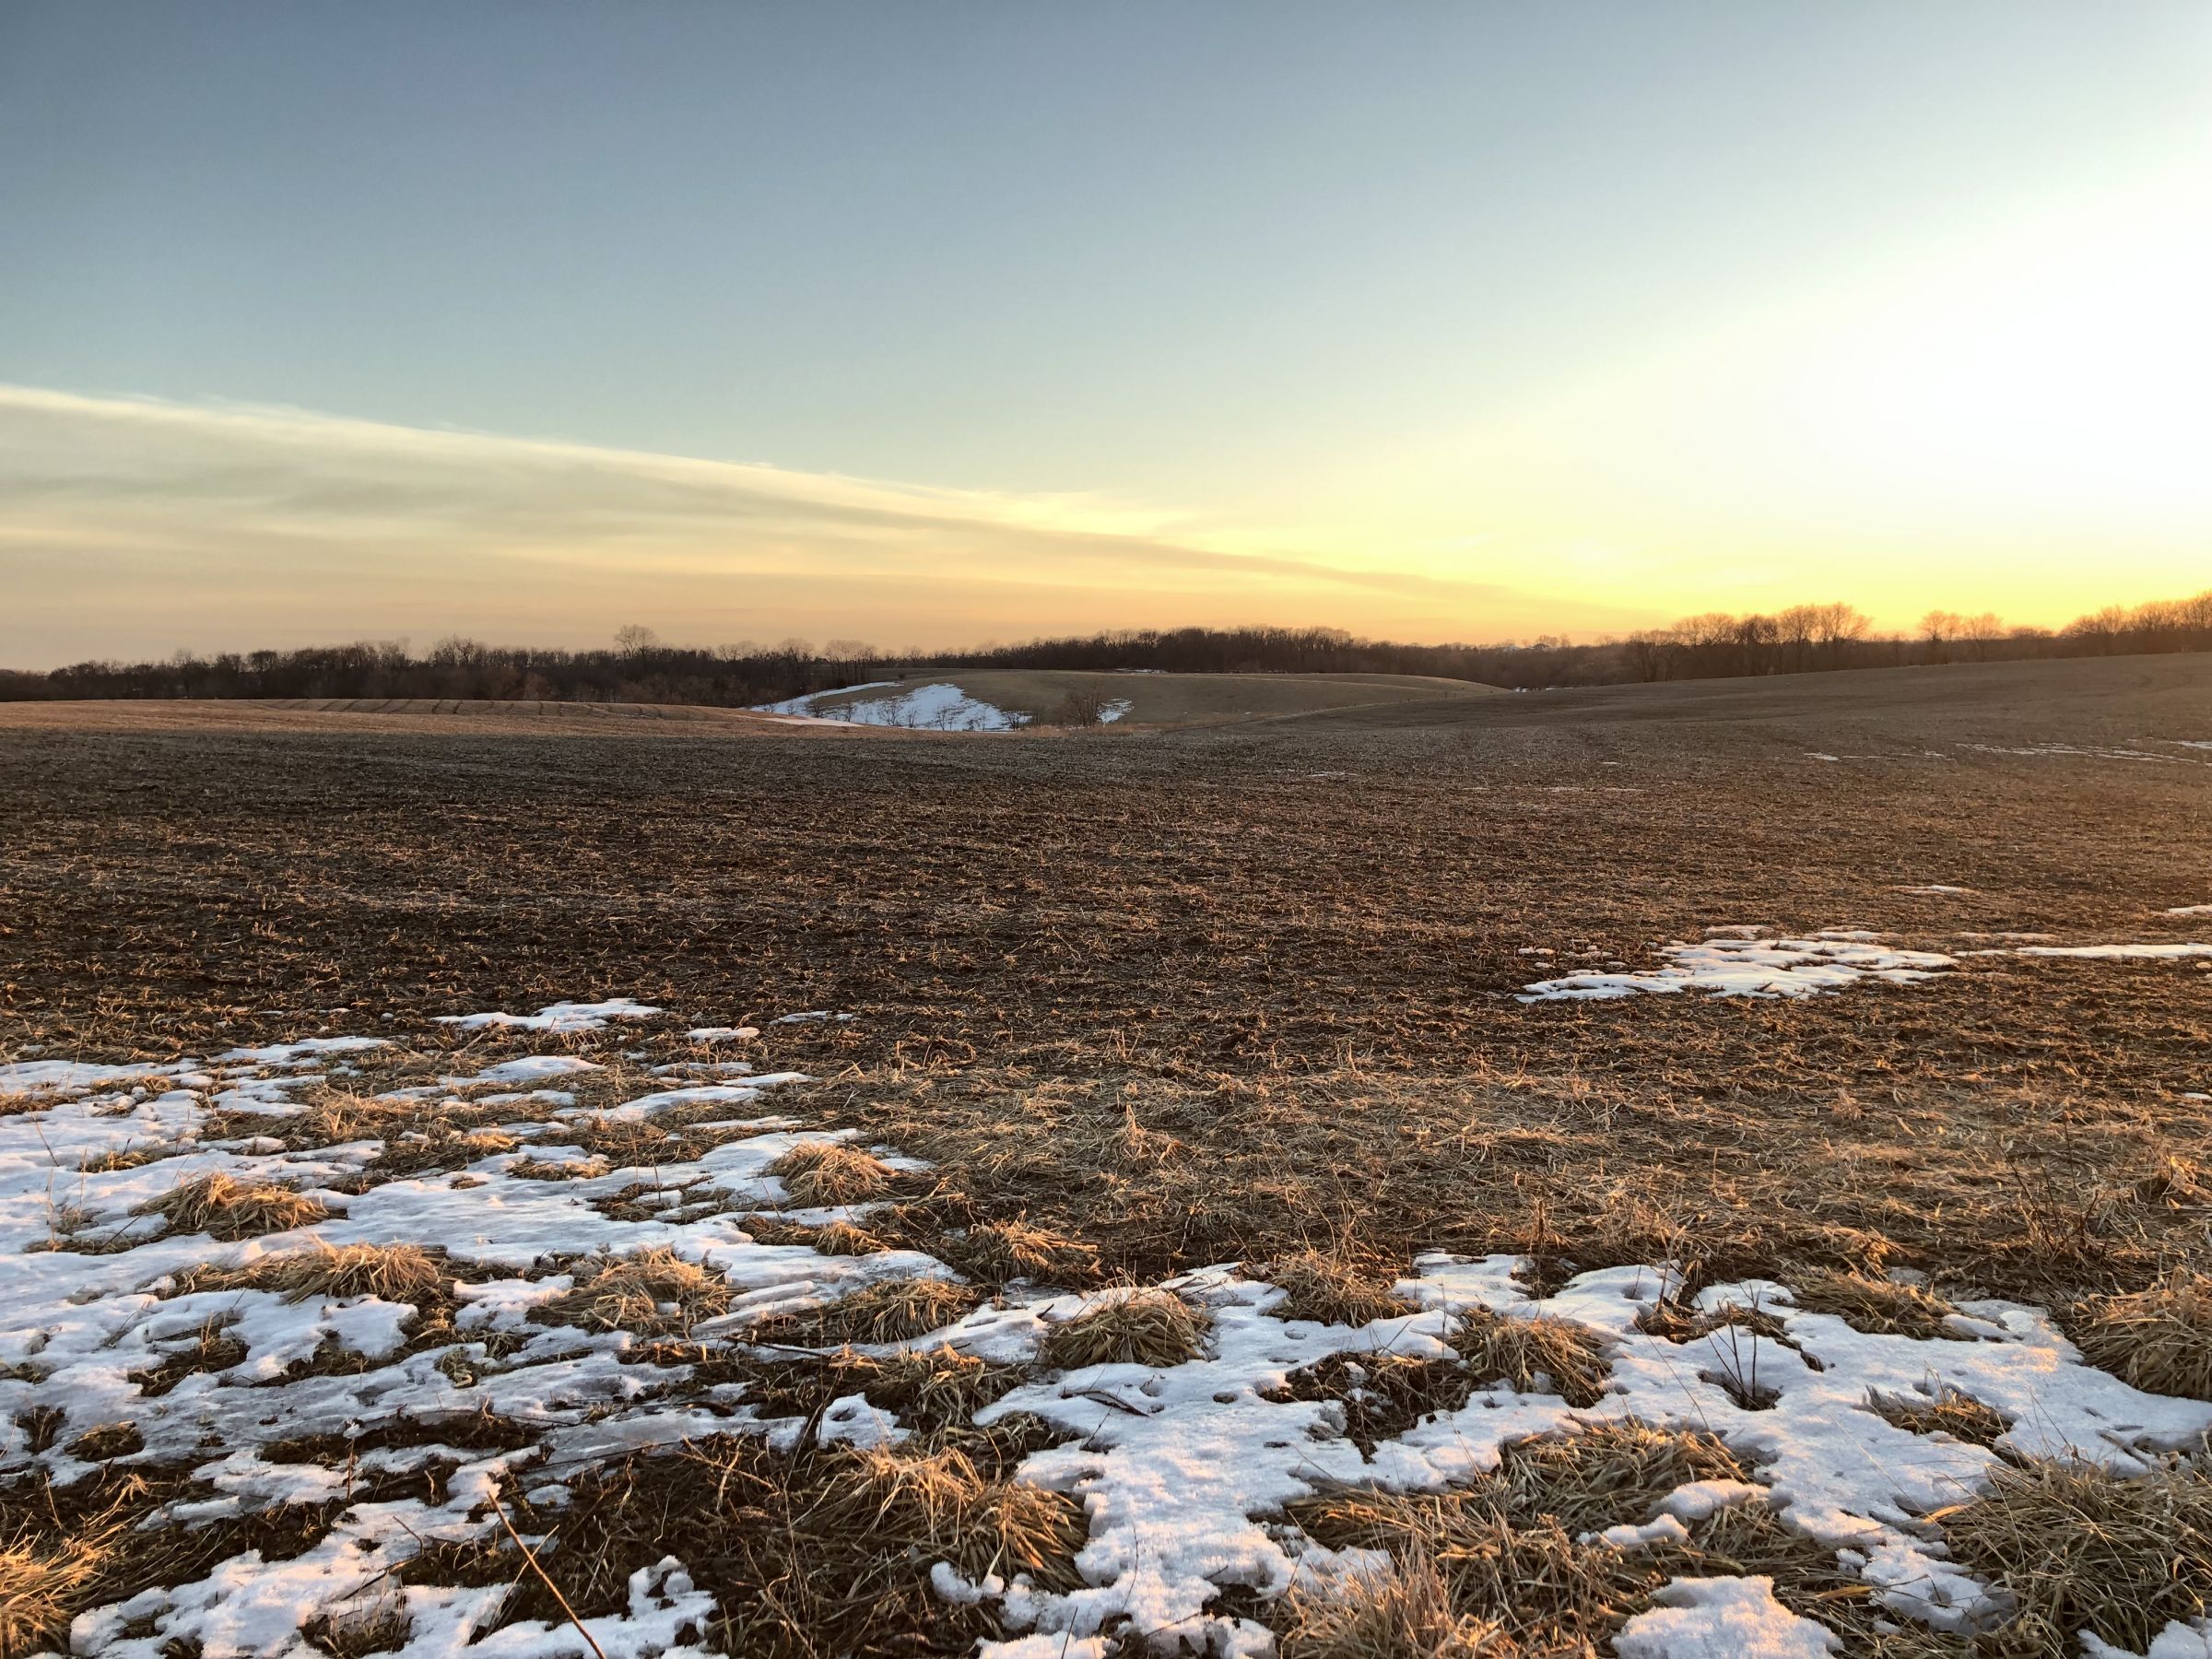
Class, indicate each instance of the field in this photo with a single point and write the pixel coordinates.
(1660, 1171)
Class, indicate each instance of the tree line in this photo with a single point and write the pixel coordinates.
(640, 667)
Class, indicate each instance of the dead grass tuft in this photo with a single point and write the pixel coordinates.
(1947, 1411)
(1606, 1474)
(1149, 1328)
(2157, 1339)
(394, 1273)
(816, 1173)
(1539, 1354)
(653, 1293)
(213, 1349)
(843, 1239)
(1380, 1396)
(2080, 1549)
(1881, 1307)
(810, 1556)
(939, 1505)
(107, 1442)
(1528, 1578)
(227, 1208)
(1403, 1612)
(376, 1626)
(1338, 1286)
(893, 1310)
(999, 1251)
(527, 1168)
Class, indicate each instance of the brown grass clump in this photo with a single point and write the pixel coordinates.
(1403, 1612)
(227, 1208)
(527, 1168)
(2157, 1339)
(1948, 1411)
(1879, 1307)
(43, 1579)
(1525, 1576)
(816, 1173)
(813, 1556)
(377, 1626)
(843, 1239)
(213, 1349)
(1606, 1474)
(2080, 1549)
(937, 1504)
(653, 1293)
(1151, 1327)
(1533, 1355)
(1000, 1250)
(105, 1443)
(934, 1391)
(1333, 1287)
(394, 1273)
(893, 1310)
(1380, 1396)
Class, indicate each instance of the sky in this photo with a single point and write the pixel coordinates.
(934, 323)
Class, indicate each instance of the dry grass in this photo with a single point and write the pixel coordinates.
(1533, 1355)
(1380, 1395)
(1334, 1287)
(1604, 1474)
(815, 1556)
(998, 1252)
(2157, 1339)
(843, 1239)
(653, 1293)
(891, 1310)
(43, 1581)
(1544, 1593)
(377, 1625)
(527, 1168)
(213, 1349)
(229, 1209)
(1882, 1307)
(2079, 1549)
(1148, 1327)
(933, 1391)
(1405, 1611)
(819, 1173)
(394, 1273)
(1947, 1411)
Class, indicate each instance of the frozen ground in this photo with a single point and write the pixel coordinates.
(922, 708)
(1182, 1470)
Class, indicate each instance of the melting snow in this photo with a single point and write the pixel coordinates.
(1748, 967)
(558, 1016)
(1182, 1470)
(935, 708)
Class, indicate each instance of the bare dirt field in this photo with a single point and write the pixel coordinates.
(1080, 1194)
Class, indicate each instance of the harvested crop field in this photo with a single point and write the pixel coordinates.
(1549, 1173)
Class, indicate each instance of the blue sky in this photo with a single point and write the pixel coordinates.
(1271, 280)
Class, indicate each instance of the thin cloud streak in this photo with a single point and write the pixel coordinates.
(224, 525)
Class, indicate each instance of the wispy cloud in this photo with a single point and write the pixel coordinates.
(135, 524)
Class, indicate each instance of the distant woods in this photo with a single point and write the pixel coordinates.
(639, 668)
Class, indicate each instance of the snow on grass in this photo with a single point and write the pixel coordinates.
(557, 1016)
(934, 708)
(2116, 953)
(1183, 1464)
(1730, 965)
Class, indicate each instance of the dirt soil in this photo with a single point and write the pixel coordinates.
(1292, 949)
